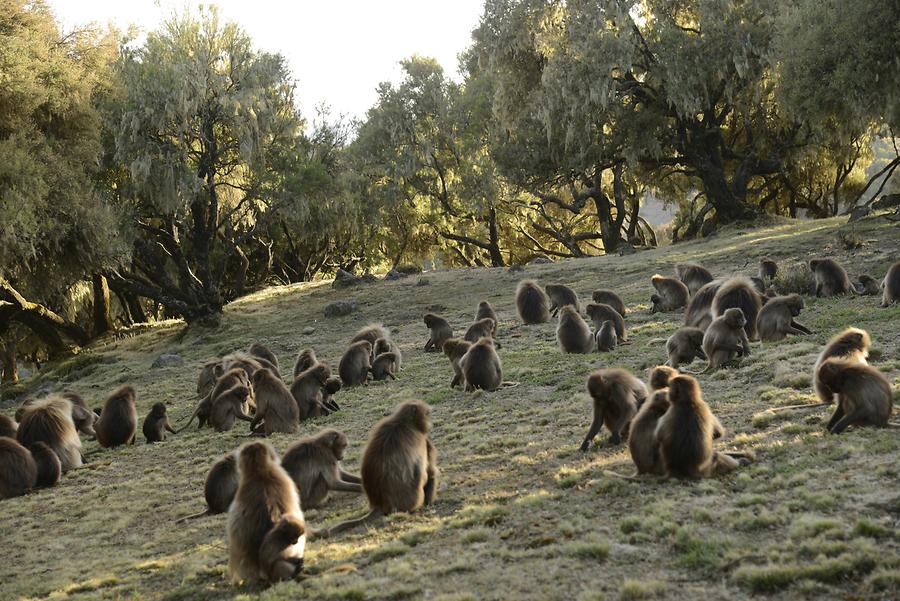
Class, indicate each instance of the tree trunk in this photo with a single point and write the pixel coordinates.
(46, 324)
(8, 359)
(102, 320)
(494, 240)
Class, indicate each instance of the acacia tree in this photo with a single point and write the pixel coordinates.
(206, 125)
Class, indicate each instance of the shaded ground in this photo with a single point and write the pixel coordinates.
(521, 514)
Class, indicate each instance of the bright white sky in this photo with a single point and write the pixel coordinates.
(338, 50)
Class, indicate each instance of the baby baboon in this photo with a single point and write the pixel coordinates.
(572, 333)
(118, 421)
(486, 310)
(615, 394)
(480, 329)
(831, 279)
(864, 395)
(768, 269)
(274, 404)
(49, 420)
(307, 392)
(685, 434)
(230, 406)
(440, 332)
(278, 557)
(608, 297)
(383, 366)
(356, 363)
(532, 303)
(659, 377)
(560, 296)
(399, 465)
(220, 487)
(739, 293)
(49, 467)
(19, 472)
(693, 276)
(481, 367)
(332, 387)
(868, 286)
(227, 381)
(8, 426)
(305, 360)
(853, 344)
(386, 345)
(699, 310)
(685, 345)
(156, 424)
(261, 352)
(265, 493)
(642, 441)
(209, 373)
(891, 286)
(370, 333)
(672, 294)
(606, 337)
(314, 464)
(600, 312)
(776, 318)
(726, 339)
(454, 349)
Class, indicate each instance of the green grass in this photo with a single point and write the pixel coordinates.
(521, 514)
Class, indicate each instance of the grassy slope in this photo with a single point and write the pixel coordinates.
(521, 513)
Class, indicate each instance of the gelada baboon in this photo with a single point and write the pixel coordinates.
(118, 421)
(685, 434)
(49, 420)
(608, 297)
(776, 318)
(8, 426)
(615, 395)
(853, 344)
(599, 312)
(868, 286)
(229, 407)
(831, 279)
(606, 337)
(439, 332)
(386, 345)
(331, 387)
(481, 367)
(864, 395)
(486, 310)
(671, 294)
(572, 333)
(383, 367)
(220, 487)
(399, 465)
(642, 442)
(659, 376)
(454, 349)
(693, 276)
(275, 405)
(726, 339)
(156, 424)
(247, 362)
(307, 392)
(19, 472)
(891, 286)
(370, 334)
(49, 467)
(480, 329)
(265, 493)
(560, 296)
(356, 363)
(768, 269)
(532, 303)
(209, 373)
(226, 382)
(305, 360)
(82, 416)
(739, 293)
(278, 557)
(685, 345)
(314, 464)
(699, 310)
(262, 352)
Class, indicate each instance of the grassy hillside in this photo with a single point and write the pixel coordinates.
(521, 514)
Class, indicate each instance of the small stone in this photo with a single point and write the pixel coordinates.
(168, 360)
(423, 282)
(308, 330)
(341, 308)
(393, 274)
(343, 279)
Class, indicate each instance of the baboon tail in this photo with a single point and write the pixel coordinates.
(193, 516)
(350, 524)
